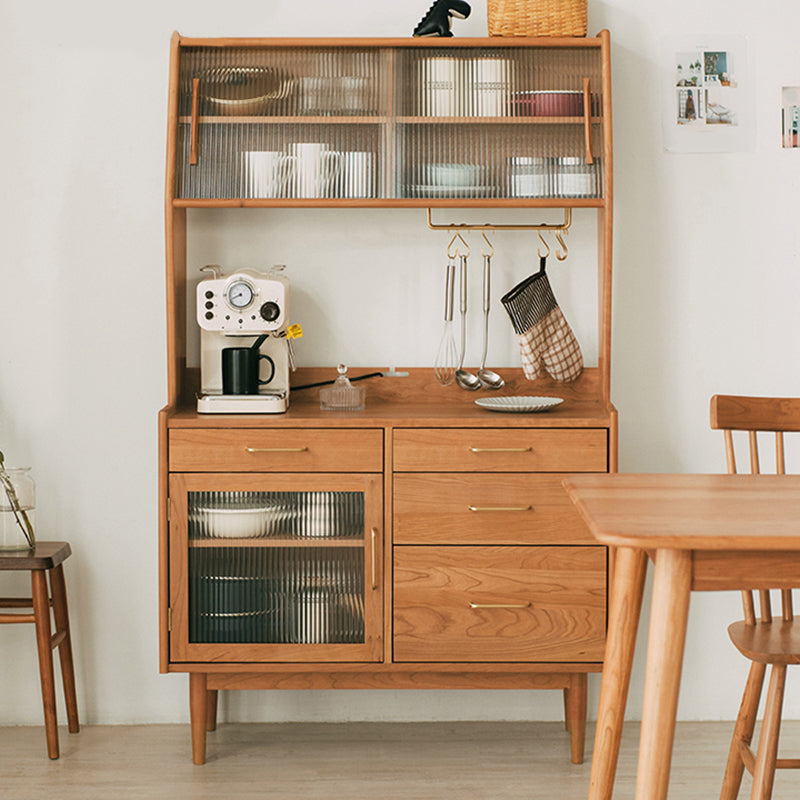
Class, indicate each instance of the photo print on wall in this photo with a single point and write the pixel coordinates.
(790, 116)
(706, 96)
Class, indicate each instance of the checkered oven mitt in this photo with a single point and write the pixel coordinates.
(543, 333)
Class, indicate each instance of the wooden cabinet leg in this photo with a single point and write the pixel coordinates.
(198, 711)
(61, 616)
(625, 606)
(211, 710)
(41, 612)
(576, 715)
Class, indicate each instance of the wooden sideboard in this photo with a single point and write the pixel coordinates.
(423, 542)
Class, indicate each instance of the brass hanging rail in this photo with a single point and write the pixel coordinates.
(564, 226)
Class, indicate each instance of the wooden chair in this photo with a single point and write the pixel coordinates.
(46, 558)
(760, 637)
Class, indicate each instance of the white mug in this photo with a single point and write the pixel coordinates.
(357, 174)
(313, 168)
(265, 173)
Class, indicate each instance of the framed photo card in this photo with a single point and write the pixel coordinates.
(707, 104)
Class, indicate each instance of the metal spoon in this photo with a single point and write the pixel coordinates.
(490, 379)
(466, 380)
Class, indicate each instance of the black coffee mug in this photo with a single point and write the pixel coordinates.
(240, 368)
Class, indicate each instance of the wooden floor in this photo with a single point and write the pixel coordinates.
(355, 761)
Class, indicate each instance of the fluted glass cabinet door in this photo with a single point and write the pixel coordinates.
(283, 568)
(267, 123)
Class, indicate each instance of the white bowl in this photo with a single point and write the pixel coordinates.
(454, 174)
(233, 523)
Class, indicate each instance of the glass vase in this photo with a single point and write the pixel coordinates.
(17, 503)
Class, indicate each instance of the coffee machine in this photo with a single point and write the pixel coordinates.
(246, 309)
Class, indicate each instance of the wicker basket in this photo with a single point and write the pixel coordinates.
(537, 17)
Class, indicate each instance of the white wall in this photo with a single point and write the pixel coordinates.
(705, 300)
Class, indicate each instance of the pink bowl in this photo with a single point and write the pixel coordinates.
(558, 104)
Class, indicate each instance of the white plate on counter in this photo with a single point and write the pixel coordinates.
(519, 405)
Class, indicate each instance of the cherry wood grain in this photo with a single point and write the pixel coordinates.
(683, 521)
(691, 512)
(485, 508)
(299, 450)
(500, 450)
(740, 413)
(499, 603)
(579, 435)
(764, 639)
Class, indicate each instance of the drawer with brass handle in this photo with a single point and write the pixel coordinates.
(499, 604)
(500, 450)
(485, 508)
(283, 450)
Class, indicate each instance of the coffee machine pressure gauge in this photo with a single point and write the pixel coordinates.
(239, 294)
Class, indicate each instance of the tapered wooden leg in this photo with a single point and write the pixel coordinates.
(576, 716)
(61, 616)
(566, 709)
(669, 614)
(211, 710)
(743, 731)
(198, 711)
(625, 606)
(41, 611)
(764, 773)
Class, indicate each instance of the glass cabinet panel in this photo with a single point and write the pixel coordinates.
(282, 595)
(384, 122)
(266, 566)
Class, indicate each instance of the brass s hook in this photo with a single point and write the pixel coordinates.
(547, 247)
(450, 255)
(563, 252)
(457, 252)
(491, 246)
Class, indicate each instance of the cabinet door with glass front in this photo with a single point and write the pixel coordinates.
(275, 567)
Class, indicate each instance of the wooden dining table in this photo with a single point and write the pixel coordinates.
(703, 533)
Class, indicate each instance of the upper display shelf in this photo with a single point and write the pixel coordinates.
(267, 121)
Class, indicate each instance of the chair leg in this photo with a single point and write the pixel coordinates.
(61, 616)
(764, 773)
(743, 731)
(41, 613)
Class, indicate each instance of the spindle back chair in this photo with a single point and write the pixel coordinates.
(765, 639)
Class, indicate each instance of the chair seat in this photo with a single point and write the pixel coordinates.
(776, 642)
(45, 555)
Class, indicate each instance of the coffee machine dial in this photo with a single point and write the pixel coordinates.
(239, 294)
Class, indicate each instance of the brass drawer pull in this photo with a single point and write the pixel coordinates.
(500, 605)
(499, 508)
(276, 449)
(501, 449)
(374, 558)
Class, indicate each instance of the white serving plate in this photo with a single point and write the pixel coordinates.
(519, 405)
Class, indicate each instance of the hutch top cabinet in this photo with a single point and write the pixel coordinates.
(421, 542)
